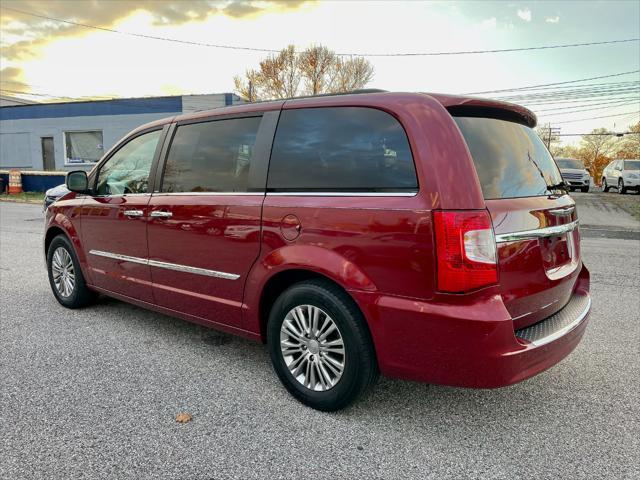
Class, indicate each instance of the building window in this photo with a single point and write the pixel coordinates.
(83, 147)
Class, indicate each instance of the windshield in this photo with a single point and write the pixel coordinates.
(510, 158)
(570, 163)
(632, 164)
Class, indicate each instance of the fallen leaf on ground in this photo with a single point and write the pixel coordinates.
(183, 418)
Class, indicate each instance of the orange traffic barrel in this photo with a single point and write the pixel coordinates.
(15, 182)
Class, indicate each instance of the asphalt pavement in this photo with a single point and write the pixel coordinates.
(93, 393)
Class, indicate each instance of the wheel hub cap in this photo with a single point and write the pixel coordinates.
(312, 347)
(62, 272)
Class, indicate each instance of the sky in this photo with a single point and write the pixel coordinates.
(51, 59)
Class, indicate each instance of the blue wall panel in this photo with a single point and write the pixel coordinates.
(95, 108)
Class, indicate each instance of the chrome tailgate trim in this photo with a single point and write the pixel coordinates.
(556, 230)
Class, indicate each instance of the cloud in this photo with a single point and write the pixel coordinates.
(555, 19)
(12, 78)
(525, 14)
(36, 32)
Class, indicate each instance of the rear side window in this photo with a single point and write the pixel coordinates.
(510, 158)
(211, 156)
(632, 164)
(348, 149)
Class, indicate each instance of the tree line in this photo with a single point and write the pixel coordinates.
(597, 149)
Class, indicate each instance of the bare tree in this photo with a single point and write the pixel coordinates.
(313, 71)
(351, 74)
(317, 67)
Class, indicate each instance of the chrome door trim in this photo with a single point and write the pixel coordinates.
(537, 233)
(169, 266)
(195, 270)
(342, 194)
(117, 256)
(213, 194)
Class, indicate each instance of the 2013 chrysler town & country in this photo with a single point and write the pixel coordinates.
(426, 237)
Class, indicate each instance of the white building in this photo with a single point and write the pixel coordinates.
(72, 135)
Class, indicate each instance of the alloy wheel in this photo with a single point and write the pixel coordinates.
(312, 347)
(63, 273)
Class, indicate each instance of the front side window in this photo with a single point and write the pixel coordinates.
(127, 171)
(510, 158)
(211, 156)
(83, 147)
(350, 149)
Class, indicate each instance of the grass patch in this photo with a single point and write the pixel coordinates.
(24, 197)
(630, 203)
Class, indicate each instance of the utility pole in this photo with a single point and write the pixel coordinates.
(551, 132)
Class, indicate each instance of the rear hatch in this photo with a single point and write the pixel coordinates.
(534, 220)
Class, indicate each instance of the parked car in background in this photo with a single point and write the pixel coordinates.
(574, 173)
(54, 194)
(330, 228)
(622, 174)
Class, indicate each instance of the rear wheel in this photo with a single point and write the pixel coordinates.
(605, 187)
(621, 189)
(320, 346)
(65, 276)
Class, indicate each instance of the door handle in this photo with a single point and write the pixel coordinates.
(160, 214)
(133, 213)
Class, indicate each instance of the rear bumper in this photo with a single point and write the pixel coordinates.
(472, 343)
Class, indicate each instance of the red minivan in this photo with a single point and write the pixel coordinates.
(421, 236)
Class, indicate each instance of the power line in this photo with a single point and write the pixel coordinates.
(596, 118)
(268, 50)
(623, 104)
(595, 134)
(555, 83)
(616, 101)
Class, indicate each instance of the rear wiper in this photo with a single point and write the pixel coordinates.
(558, 186)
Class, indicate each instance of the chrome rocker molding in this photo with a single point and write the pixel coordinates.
(537, 233)
(166, 265)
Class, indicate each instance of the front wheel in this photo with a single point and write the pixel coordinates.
(584, 189)
(320, 345)
(605, 187)
(621, 189)
(65, 276)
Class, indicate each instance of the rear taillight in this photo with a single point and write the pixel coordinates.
(465, 250)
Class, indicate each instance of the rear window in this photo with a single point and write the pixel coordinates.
(348, 149)
(510, 158)
(569, 163)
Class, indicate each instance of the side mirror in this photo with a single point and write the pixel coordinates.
(77, 181)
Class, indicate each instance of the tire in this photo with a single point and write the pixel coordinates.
(335, 390)
(584, 189)
(605, 187)
(62, 257)
(621, 189)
